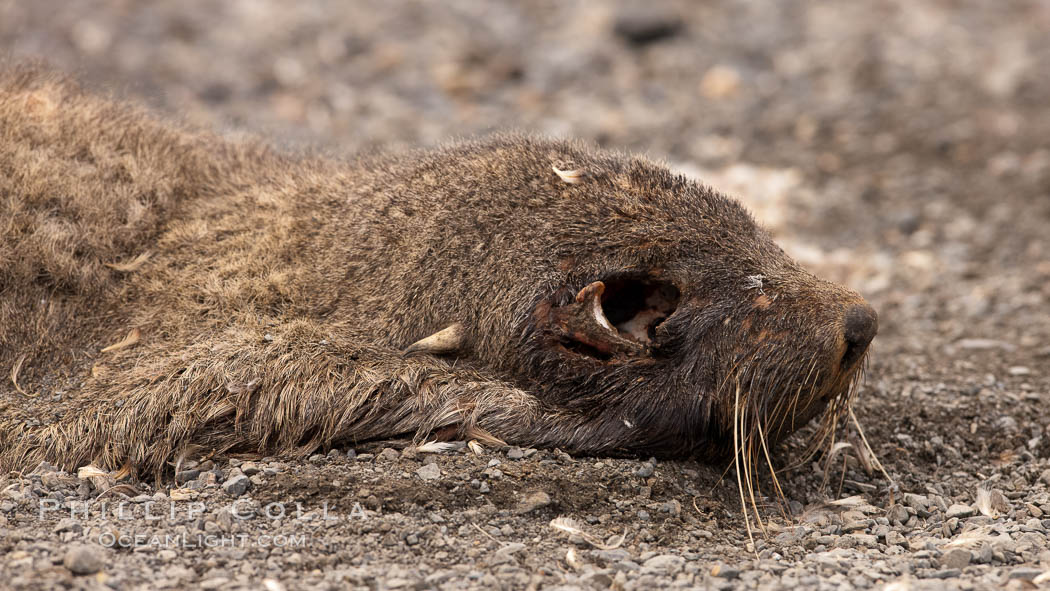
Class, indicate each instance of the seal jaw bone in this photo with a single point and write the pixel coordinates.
(585, 322)
(447, 340)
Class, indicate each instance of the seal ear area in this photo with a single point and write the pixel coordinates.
(446, 341)
(612, 319)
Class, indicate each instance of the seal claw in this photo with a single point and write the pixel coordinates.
(573, 176)
(447, 340)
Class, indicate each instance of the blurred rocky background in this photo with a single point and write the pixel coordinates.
(899, 146)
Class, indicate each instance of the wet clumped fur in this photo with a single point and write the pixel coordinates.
(169, 293)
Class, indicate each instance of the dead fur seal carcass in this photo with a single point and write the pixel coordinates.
(165, 291)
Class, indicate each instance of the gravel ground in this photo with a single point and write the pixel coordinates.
(898, 147)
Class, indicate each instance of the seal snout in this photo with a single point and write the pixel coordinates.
(861, 325)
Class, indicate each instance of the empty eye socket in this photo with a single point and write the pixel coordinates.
(637, 305)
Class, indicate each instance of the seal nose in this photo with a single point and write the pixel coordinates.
(861, 325)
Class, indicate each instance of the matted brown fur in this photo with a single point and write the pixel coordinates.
(166, 292)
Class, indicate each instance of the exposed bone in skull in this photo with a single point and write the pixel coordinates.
(636, 307)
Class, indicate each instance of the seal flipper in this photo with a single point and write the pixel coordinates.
(298, 390)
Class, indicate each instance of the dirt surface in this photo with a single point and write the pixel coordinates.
(898, 147)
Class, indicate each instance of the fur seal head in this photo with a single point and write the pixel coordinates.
(645, 311)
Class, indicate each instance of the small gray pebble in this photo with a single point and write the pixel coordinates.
(725, 572)
(1025, 573)
(895, 538)
(959, 511)
(51, 480)
(673, 507)
(863, 540)
(957, 558)
(68, 524)
(614, 555)
(917, 502)
(250, 468)
(83, 559)
(429, 472)
(532, 502)
(948, 573)
(897, 514)
(237, 485)
(667, 563)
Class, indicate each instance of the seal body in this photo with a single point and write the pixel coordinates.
(167, 292)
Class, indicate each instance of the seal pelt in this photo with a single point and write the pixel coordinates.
(166, 291)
